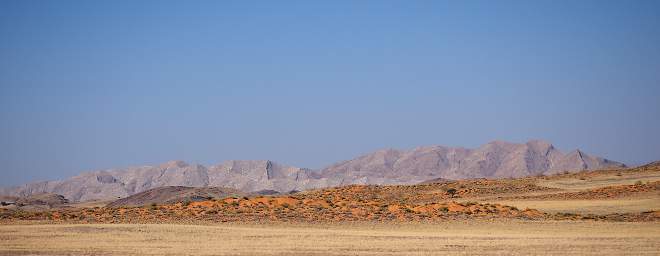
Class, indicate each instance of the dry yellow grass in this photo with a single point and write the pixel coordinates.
(574, 184)
(627, 204)
(593, 206)
(475, 237)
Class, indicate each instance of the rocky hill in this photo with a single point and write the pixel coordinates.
(492, 160)
(175, 194)
(35, 202)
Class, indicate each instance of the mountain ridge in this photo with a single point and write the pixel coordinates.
(496, 159)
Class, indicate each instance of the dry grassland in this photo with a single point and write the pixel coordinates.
(626, 204)
(472, 237)
(574, 184)
(598, 207)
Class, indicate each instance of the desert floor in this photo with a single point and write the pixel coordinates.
(626, 203)
(504, 237)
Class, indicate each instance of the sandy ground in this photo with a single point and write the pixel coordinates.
(625, 205)
(573, 184)
(650, 202)
(473, 237)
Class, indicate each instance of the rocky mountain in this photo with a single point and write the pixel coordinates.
(493, 160)
(246, 176)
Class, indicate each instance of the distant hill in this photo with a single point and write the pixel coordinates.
(175, 194)
(389, 166)
(35, 202)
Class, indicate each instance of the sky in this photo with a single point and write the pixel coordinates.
(89, 85)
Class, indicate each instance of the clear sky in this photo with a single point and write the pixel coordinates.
(88, 85)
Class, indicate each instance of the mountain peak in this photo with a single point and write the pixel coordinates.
(174, 164)
(540, 146)
(543, 143)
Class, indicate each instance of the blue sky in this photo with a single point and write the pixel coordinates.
(90, 85)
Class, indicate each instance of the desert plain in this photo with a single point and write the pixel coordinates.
(604, 212)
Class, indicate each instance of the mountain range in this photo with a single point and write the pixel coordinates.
(496, 159)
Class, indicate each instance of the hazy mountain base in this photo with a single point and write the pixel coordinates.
(493, 160)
